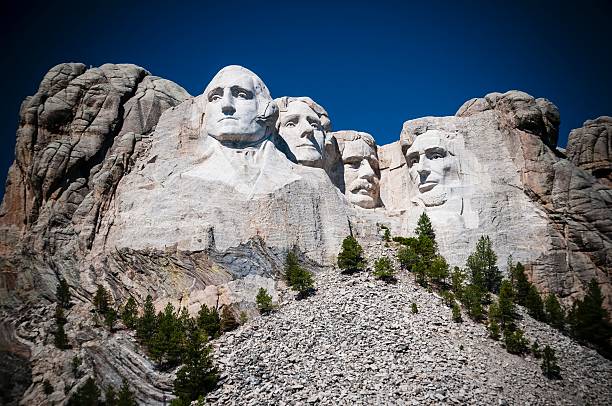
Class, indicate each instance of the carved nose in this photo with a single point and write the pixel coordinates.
(227, 103)
(306, 130)
(365, 170)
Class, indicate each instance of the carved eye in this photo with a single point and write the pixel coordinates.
(412, 160)
(214, 97)
(242, 95)
(290, 124)
(436, 155)
(354, 164)
(316, 126)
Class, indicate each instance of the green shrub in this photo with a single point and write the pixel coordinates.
(129, 313)
(413, 308)
(448, 298)
(62, 293)
(457, 313)
(550, 368)
(86, 395)
(147, 323)
(243, 317)
(350, 258)
(47, 387)
(507, 313)
(535, 349)
(554, 313)
(483, 266)
(534, 304)
(493, 329)
(101, 300)
(264, 301)
(472, 300)
(383, 269)
(515, 342)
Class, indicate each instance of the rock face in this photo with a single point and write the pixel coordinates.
(122, 179)
(590, 148)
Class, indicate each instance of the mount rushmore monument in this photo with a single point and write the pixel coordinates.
(123, 179)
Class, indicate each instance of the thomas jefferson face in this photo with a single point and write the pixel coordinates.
(301, 128)
(361, 173)
(232, 108)
(431, 166)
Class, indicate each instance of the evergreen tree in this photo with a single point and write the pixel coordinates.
(483, 266)
(209, 321)
(458, 278)
(493, 329)
(228, 321)
(62, 293)
(166, 345)
(75, 365)
(534, 304)
(438, 270)
(550, 369)
(424, 227)
(494, 320)
(387, 235)
(535, 349)
(457, 313)
(86, 395)
(292, 268)
(197, 376)
(506, 306)
(101, 300)
(520, 284)
(383, 269)
(60, 339)
(407, 256)
(350, 258)
(554, 313)
(147, 323)
(588, 319)
(110, 396)
(47, 387)
(263, 301)
(110, 317)
(125, 397)
(129, 313)
(515, 342)
(413, 308)
(472, 299)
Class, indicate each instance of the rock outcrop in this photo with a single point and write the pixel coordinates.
(590, 148)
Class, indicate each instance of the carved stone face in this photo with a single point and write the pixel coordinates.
(232, 107)
(301, 128)
(361, 173)
(432, 166)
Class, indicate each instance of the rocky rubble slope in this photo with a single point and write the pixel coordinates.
(356, 342)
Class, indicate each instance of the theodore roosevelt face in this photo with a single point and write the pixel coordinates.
(361, 173)
(232, 107)
(300, 126)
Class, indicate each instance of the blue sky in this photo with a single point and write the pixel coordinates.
(372, 65)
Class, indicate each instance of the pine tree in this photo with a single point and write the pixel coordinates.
(197, 376)
(110, 396)
(62, 293)
(520, 284)
(350, 258)
(472, 299)
(228, 321)
(424, 227)
(483, 266)
(413, 308)
(438, 270)
(554, 313)
(588, 319)
(515, 342)
(110, 317)
(550, 369)
(457, 313)
(494, 320)
(383, 269)
(75, 365)
(297, 277)
(209, 321)
(166, 344)
(264, 301)
(101, 300)
(534, 304)
(147, 323)
(407, 256)
(129, 313)
(507, 312)
(292, 267)
(86, 395)
(125, 397)
(458, 278)
(60, 339)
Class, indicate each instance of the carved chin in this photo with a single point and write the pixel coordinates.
(433, 198)
(362, 200)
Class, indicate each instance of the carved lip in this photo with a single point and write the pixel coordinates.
(226, 118)
(427, 186)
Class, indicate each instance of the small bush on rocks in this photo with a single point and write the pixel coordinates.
(228, 321)
(448, 298)
(554, 313)
(535, 349)
(515, 341)
(264, 301)
(350, 258)
(47, 387)
(457, 313)
(414, 309)
(383, 269)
